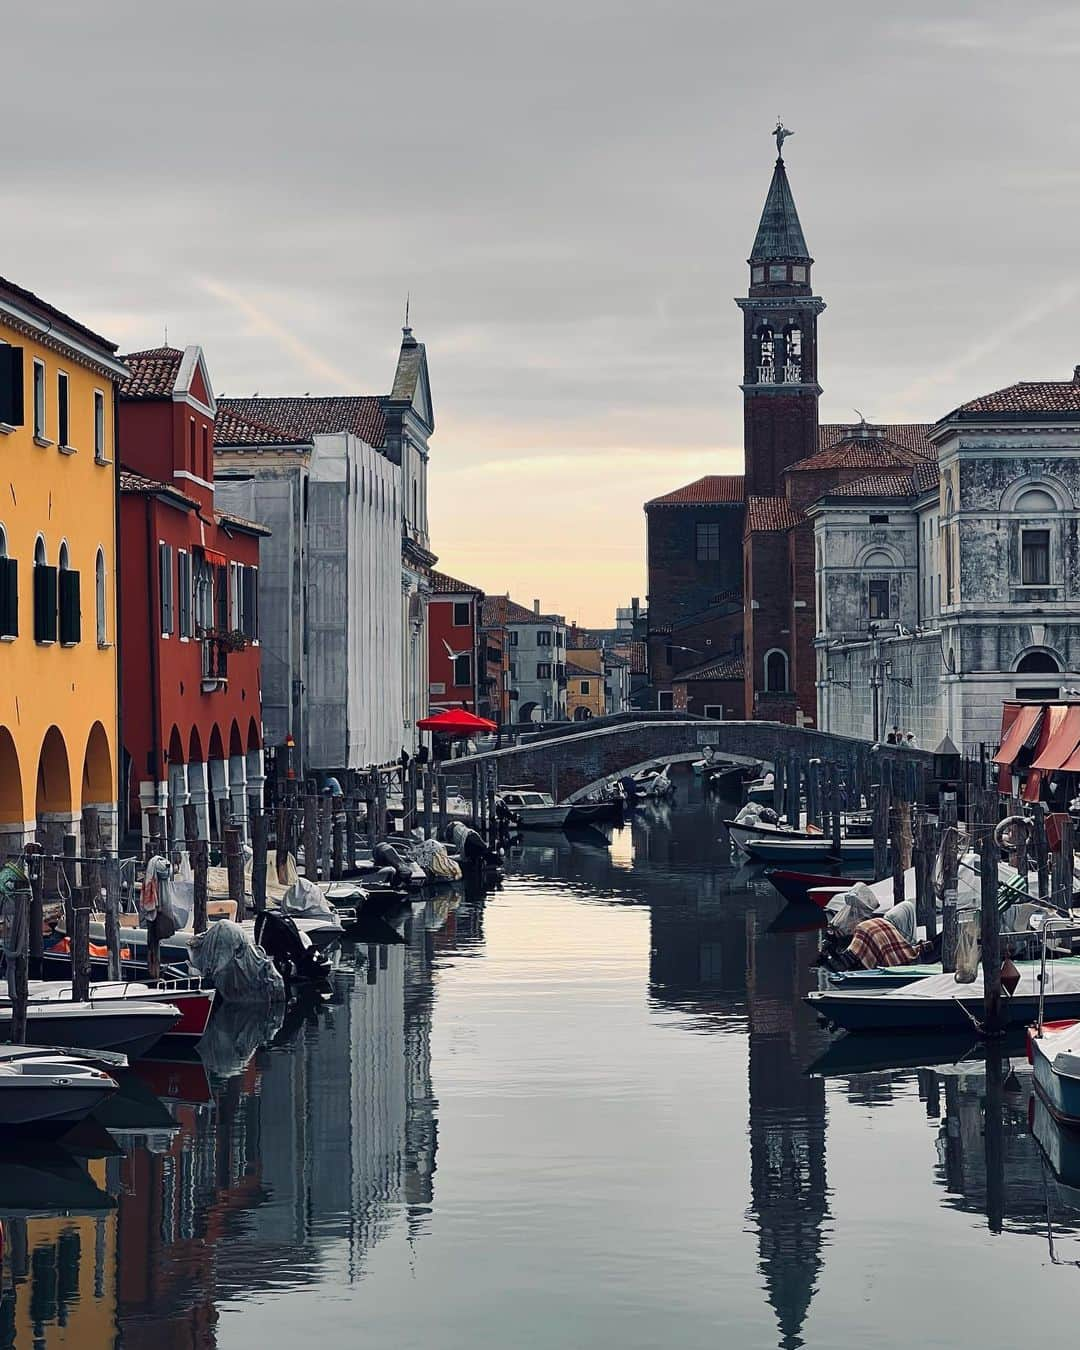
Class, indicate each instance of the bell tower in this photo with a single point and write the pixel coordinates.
(780, 387)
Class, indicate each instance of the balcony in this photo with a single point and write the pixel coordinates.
(215, 665)
(789, 374)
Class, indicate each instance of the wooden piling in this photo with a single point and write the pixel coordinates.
(260, 847)
(191, 827)
(1041, 847)
(925, 909)
(793, 807)
(778, 784)
(1068, 863)
(835, 808)
(444, 814)
(200, 866)
(112, 916)
(326, 837)
(370, 807)
(337, 827)
(380, 808)
(896, 847)
(949, 876)
(985, 821)
(814, 814)
(35, 871)
(19, 919)
(70, 849)
(881, 828)
(428, 803)
(80, 949)
(311, 837)
(91, 847)
(350, 836)
(234, 867)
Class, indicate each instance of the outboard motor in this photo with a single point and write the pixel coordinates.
(291, 950)
(387, 857)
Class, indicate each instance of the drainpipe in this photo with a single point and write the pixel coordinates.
(153, 637)
(875, 688)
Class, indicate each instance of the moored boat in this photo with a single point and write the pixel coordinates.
(127, 1025)
(1054, 1051)
(815, 849)
(48, 1090)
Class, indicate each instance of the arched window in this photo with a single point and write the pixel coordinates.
(947, 536)
(776, 672)
(792, 354)
(45, 598)
(1039, 662)
(766, 354)
(9, 590)
(70, 607)
(1036, 501)
(99, 599)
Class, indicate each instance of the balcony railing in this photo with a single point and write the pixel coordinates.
(215, 665)
(789, 374)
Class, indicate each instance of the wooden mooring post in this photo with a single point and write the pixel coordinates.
(351, 811)
(881, 825)
(444, 815)
(337, 827)
(260, 849)
(155, 847)
(311, 837)
(70, 848)
(986, 802)
(35, 870)
(924, 854)
(112, 916)
(18, 978)
(429, 803)
(1042, 848)
(200, 866)
(949, 879)
(234, 867)
(778, 784)
(371, 797)
(326, 836)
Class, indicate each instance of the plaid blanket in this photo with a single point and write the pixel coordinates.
(876, 942)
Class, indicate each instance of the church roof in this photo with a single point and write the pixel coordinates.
(712, 490)
(779, 233)
(298, 419)
(864, 450)
(911, 435)
(771, 514)
(895, 485)
(1039, 398)
(726, 668)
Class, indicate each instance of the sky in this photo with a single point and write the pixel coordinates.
(568, 192)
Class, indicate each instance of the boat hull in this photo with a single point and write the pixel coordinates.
(796, 887)
(867, 1011)
(1059, 1086)
(809, 850)
(133, 1031)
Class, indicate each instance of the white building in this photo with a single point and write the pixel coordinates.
(947, 588)
(537, 644)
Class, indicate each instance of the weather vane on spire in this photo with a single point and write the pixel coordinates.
(781, 133)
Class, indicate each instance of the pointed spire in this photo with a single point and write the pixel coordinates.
(779, 232)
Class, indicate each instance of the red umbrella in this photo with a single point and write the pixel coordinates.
(455, 722)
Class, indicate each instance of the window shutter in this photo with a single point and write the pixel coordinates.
(70, 608)
(165, 566)
(9, 597)
(247, 601)
(44, 603)
(11, 386)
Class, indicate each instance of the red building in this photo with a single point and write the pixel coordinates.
(453, 635)
(190, 657)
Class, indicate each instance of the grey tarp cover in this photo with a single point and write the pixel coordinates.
(240, 972)
(307, 898)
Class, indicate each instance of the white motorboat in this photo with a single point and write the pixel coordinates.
(49, 1090)
(130, 1026)
(1055, 1057)
(534, 810)
(187, 995)
(795, 848)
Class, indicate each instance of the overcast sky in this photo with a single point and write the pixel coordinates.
(570, 191)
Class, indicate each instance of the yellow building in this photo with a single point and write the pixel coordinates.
(58, 659)
(584, 684)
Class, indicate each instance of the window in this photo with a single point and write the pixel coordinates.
(204, 596)
(45, 598)
(206, 452)
(1040, 693)
(708, 543)
(101, 600)
(543, 639)
(585, 687)
(1038, 662)
(249, 603)
(463, 669)
(514, 638)
(558, 638)
(876, 518)
(462, 612)
(1035, 557)
(879, 599)
(9, 591)
(221, 596)
(166, 589)
(11, 385)
(191, 443)
(777, 272)
(715, 711)
(39, 400)
(665, 700)
(99, 427)
(757, 274)
(62, 408)
(513, 670)
(798, 272)
(776, 672)
(543, 670)
(184, 593)
(70, 602)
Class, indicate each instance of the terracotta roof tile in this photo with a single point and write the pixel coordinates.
(499, 610)
(1036, 397)
(298, 419)
(911, 435)
(726, 668)
(902, 484)
(233, 429)
(441, 584)
(153, 373)
(771, 514)
(713, 489)
(150, 487)
(241, 523)
(859, 452)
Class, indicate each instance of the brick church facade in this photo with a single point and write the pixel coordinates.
(730, 627)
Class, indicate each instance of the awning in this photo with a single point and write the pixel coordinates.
(1023, 730)
(1072, 764)
(1058, 739)
(456, 722)
(215, 558)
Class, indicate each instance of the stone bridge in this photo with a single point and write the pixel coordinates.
(573, 760)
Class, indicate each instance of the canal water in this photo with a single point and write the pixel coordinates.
(575, 1113)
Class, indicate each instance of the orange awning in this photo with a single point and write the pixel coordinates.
(214, 557)
(1059, 737)
(1021, 731)
(1072, 764)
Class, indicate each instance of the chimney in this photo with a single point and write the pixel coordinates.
(1076, 374)
(536, 606)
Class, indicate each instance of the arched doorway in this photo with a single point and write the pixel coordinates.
(217, 768)
(12, 815)
(52, 800)
(178, 783)
(1039, 662)
(582, 714)
(198, 784)
(98, 787)
(527, 712)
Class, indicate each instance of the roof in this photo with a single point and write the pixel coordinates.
(232, 428)
(864, 451)
(441, 584)
(771, 513)
(713, 489)
(500, 610)
(901, 484)
(227, 519)
(135, 483)
(580, 672)
(725, 668)
(299, 419)
(153, 373)
(911, 435)
(1035, 398)
(779, 233)
(42, 309)
(637, 653)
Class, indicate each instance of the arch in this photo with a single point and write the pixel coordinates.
(97, 777)
(64, 556)
(582, 714)
(195, 754)
(53, 776)
(876, 556)
(3, 542)
(776, 671)
(526, 711)
(1038, 661)
(1037, 496)
(216, 749)
(100, 598)
(254, 739)
(765, 345)
(11, 798)
(41, 556)
(236, 744)
(176, 746)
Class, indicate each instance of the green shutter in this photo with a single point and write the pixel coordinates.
(11, 385)
(44, 603)
(9, 597)
(70, 608)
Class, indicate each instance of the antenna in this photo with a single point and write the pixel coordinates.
(166, 332)
(408, 298)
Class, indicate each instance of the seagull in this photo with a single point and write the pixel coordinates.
(453, 655)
